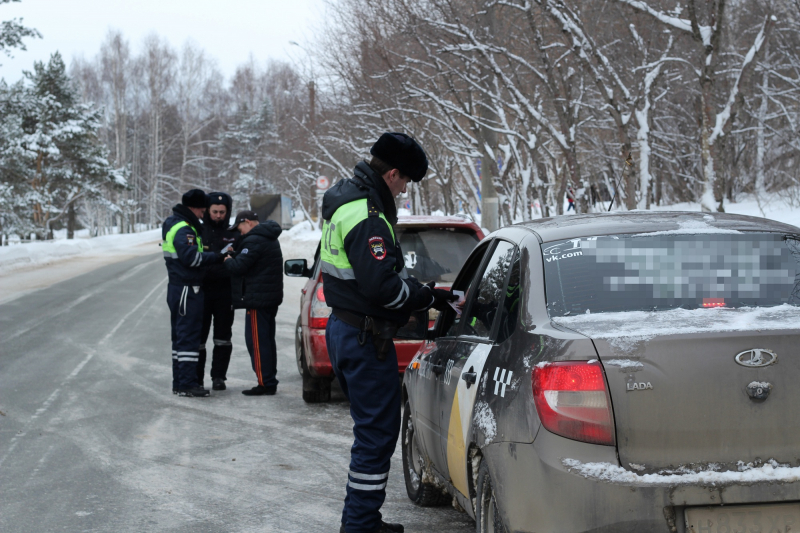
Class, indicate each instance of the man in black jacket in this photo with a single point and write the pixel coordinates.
(217, 287)
(257, 285)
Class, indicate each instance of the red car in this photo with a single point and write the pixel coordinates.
(434, 249)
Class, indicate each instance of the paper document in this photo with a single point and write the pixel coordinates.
(458, 304)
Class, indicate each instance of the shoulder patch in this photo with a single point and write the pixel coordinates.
(244, 251)
(190, 239)
(377, 247)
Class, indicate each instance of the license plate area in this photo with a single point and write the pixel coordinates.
(776, 518)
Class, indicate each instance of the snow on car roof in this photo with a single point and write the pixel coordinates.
(643, 222)
(434, 220)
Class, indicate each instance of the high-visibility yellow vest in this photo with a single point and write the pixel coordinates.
(334, 231)
(168, 246)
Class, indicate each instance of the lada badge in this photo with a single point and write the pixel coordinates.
(756, 358)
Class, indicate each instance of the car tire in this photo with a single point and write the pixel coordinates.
(419, 492)
(315, 390)
(487, 515)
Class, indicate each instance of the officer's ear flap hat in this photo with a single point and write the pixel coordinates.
(194, 198)
(220, 198)
(400, 151)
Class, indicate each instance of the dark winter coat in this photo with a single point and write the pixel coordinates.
(257, 270)
(379, 285)
(186, 265)
(217, 236)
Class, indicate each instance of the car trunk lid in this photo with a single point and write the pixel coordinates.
(681, 400)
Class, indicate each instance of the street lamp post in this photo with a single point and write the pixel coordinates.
(312, 122)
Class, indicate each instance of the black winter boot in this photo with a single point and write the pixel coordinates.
(218, 384)
(385, 528)
(197, 392)
(259, 390)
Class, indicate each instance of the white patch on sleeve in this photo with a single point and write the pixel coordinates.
(244, 251)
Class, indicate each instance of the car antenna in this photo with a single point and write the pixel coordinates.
(625, 170)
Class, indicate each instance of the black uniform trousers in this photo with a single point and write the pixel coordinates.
(218, 305)
(259, 334)
(186, 316)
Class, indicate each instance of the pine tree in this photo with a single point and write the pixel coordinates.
(12, 32)
(49, 149)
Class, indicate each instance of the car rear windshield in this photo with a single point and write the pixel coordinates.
(667, 271)
(435, 254)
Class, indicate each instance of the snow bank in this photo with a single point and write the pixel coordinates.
(300, 242)
(40, 253)
(643, 325)
(774, 207)
(747, 473)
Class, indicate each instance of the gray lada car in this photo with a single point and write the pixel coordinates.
(634, 372)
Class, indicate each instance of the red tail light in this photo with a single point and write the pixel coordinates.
(318, 317)
(572, 401)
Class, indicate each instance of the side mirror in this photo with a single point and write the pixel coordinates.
(296, 268)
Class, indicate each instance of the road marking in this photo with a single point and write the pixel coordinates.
(52, 398)
(45, 406)
(119, 324)
(135, 270)
(44, 319)
(79, 301)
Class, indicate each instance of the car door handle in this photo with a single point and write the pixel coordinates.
(470, 378)
(437, 369)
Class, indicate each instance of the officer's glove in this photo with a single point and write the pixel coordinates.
(220, 257)
(441, 297)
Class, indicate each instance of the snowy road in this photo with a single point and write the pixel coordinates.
(92, 439)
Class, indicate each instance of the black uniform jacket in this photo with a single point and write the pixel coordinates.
(190, 266)
(381, 288)
(217, 236)
(257, 270)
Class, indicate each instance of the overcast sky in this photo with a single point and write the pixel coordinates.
(229, 31)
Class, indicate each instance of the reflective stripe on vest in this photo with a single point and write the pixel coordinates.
(168, 246)
(334, 231)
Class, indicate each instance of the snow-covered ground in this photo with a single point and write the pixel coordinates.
(28, 267)
(300, 242)
(25, 256)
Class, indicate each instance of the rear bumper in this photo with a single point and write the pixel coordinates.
(319, 363)
(537, 492)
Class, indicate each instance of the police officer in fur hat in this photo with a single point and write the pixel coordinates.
(186, 265)
(218, 304)
(372, 296)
